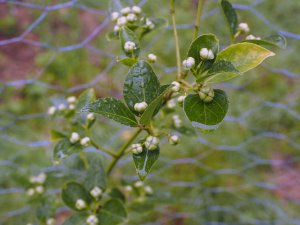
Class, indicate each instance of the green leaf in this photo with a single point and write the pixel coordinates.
(45, 209)
(76, 219)
(219, 72)
(274, 40)
(64, 149)
(144, 161)
(244, 56)
(113, 109)
(141, 85)
(84, 99)
(231, 16)
(208, 41)
(110, 36)
(206, 116)
(117, 194)
(128, 35)
(95, 174)
(73, 191)
(56, 135)
(154, 106)
(112, 213)
(128, 61)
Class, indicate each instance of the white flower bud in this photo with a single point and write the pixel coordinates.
(211, 54)
(90, 117)
(128, 188)
(177, 121)
(243, 27)
(39, 189)
(149, 24)
(96, 192)
(131, 17)
(121, 21)
(188, 63)
(80, 204)
(125, 10)
(114, 16)
(151, 142)
(176, 86)
(148, 190)
(51, 110)
(171, 104)
(181, 98)
(129, 46)
(85, 141)
(71, 99)
(74, 137)
(140, 107)
(71, 107)
(250, 37)
(138, 184)
(30, 192)
(61, 107)
(137, 10)
(137, 148)
(92, 220)
(206, 54)
(50, 221)
(173, 140)
(116, 28)
(152, 58)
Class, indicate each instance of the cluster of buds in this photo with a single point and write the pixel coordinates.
(92, 220)
(75, 137)
(177, 121)
(151, 143)
(188, 63)
(125, 16)
(62, 107)
(38, 182)
(145, 188)
(140, 107)
(80, 204)
(206, 54)
(129, 46)
(137, 148)
(206, 93)
(173, 139)
(252, 37)
(243, 28)
(96, 192)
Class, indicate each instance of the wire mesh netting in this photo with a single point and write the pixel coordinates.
(246, 172)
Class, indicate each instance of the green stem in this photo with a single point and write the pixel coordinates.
(198, 18)
(100, 148)
(178, 60)
(122, 151)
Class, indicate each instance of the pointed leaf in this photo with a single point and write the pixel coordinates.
(73, 191)
(206, 116)
(85, 98)
(128, 61)
(274, 40)
(154, 105)
(141, 85)
(112, 213)
(113, 109)
(76, 219)
(117, 194)
(56, 135)
(64, 149)
(231, 16)
(128, 35)
(244, 56)
(144, 161)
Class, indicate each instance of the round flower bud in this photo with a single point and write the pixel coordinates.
(80, 204)
(176, 86)
(188, 63)
(92, 220)
(96, 192)
(211, 54)
(137, 148)
(39, 189)
(171, 104)
(114, 16)
(71, 99)
(140, 107)
(125, 10)
(61, 107)
(121, 21)
(116, 28)
(128, 188)
(131, 17)
(149, 24)
(206, 94)
(51, 110)
(90, 117)
(41, 178)
(250, 37)
(30, 192)
(71, 107)
(243, 27)
(85, 141)
(50, 221)
(138, 184)
(152, 58)
(74, 137)
(137, 10)
(148, 190)
(129, 46)
(173, 140)
(206, 54)
(181, 98)
(151, 142)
